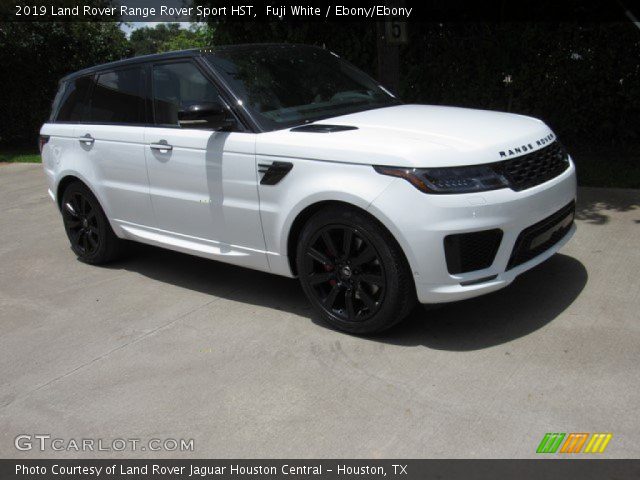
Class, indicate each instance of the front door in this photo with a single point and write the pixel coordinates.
(203, 183)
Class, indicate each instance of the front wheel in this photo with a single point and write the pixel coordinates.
(353, 271)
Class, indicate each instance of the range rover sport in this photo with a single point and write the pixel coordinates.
(289, 160)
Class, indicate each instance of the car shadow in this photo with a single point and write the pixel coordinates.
(532, 301)
(595, 205)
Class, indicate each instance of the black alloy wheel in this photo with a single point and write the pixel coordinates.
(81, 222)
(90, 234)
(345, 272)
(353, 271)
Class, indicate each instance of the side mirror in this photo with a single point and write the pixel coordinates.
(209, 115)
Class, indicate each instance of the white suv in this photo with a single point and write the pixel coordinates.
(289, 160)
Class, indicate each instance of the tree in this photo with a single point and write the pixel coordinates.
(38, 54)
(194, 37)
(165, 37)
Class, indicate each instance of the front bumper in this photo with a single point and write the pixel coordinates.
(420, 222)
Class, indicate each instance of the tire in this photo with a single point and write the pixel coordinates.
(90, 234)
(353, 271)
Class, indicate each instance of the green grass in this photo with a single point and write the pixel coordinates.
(20, 156)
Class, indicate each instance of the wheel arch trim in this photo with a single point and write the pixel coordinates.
(304, 211)
(69, 176)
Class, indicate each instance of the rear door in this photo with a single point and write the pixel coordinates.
(112, 141)
(203, 185)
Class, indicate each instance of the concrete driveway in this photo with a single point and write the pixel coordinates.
(163, 345)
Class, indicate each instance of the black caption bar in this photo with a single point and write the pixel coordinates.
(313, 10)
(319, 469)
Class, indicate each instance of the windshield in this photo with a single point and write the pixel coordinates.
(283, 86)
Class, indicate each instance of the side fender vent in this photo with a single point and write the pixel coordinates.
(323, 128)
(272, 173)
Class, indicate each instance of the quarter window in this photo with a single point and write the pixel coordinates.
(177, 85)
(71, 101)
(118, 97)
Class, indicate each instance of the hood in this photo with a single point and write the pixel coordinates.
(413, 136)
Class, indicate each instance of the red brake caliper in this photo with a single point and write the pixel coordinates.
(328, 268)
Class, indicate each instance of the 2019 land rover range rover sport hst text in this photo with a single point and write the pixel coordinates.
(289, 160)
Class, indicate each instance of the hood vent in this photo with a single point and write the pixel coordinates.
(323, 128)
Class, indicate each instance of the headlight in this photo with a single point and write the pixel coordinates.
(475, 178)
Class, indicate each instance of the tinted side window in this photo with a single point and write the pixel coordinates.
(119, 97)
(176, 85)
(71, 100)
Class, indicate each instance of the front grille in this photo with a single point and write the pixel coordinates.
(538, 238)
(466, 252)
(534, 168)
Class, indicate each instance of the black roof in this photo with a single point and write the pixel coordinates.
(132, 61)
(193, 52)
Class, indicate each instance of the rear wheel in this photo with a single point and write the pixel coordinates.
(92, 238)
(353, 271)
